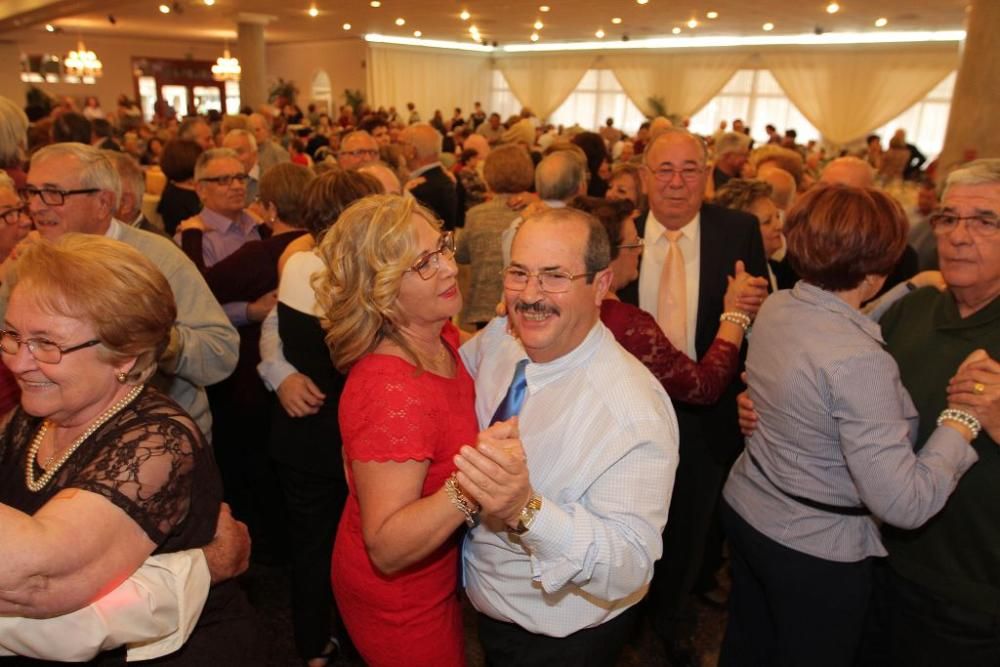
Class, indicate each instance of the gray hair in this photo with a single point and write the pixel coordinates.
(246, 134)
(979, 172)
(260, 118)
(7, 183)
(186, 129)
(732, 142)
(96, 170)
(677, 132)
(130, 173)
(13, 133)
(215, 154)
(559, 175)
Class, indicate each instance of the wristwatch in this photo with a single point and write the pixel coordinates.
(528, 514)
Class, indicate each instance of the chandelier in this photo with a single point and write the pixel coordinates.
(226, 68)
(83, 63)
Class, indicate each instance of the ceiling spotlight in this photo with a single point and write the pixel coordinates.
(544, 8)
(767, 27)
(417, 33)
(375, 3)
(400, 21)
(209, 3)
(693, 23)
(112, 20)
(346, 26)
(164, 9)
(464, 15)
(712, 15)
(832, 8)
(616, 20)
(599, 34)
(313, 12)
(538, 25)
(49, 27)
(676, 30)
(534, 37)
(642, 2)
(881, 22)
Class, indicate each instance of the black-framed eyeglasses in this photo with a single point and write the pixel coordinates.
(980, 225)
(41, 349)
(52, 196)
(551, 282)
(12, 215)
(427, 265)
(638, 243)
(226, 179)
(666, 173)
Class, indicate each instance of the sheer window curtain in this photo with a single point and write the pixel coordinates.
(847, 92)
(542, 82)
(431, 79)
(684, 81)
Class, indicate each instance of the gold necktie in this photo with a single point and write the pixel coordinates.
(671, 310)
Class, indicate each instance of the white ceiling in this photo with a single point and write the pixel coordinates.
(505, 21)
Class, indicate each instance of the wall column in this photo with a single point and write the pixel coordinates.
(974, 121)
(251, 51)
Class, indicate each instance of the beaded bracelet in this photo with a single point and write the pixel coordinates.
(963, 418)
(459, 500)
(736, 317)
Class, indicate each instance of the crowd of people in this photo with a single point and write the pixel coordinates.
(496, 358)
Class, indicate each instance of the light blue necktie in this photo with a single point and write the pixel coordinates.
(510, 406)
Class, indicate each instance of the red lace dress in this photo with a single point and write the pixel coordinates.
(695, 382)
(389, 413)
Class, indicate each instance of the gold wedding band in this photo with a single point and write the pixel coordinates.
(979, 388)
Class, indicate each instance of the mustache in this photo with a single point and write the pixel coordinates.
(537, 308)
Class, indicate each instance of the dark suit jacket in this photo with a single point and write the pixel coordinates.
(726, 236)
(439, 195)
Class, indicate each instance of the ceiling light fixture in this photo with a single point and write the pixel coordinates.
(375, 3)
(83, 63)
(881, 22)
(616, 20)
(209, 3)
(400, 21)
(538, 24)
(767, 27)
(49, 27)
(642, 2)
(313, 12)
(832, 8)
(464, 15)
(377, 38)
(534, 37)
(417, 33)
(226, 68)
(346, 26)
(676, 30)
(712, 15)
(164, 9)
(544, 8)
(693, 23)
(599, 34)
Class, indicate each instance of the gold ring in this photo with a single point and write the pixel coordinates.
(979, 388)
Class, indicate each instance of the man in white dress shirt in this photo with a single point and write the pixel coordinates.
(571, 524)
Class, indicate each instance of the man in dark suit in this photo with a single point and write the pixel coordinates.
(422, 150)
(690, 249)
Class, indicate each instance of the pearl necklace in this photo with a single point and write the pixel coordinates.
(53, 468)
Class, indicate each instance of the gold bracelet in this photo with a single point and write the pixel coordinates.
(459, 500)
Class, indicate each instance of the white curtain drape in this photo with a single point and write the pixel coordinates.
(543, 81)
(685, 81)
(430, 78)
(846, 92)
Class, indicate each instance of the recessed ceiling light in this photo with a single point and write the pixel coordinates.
(712, 15)
(209, 3)
(346, 26)
(599, 34)
(676, 30)
(417, 33)
(534, 37)
(164, 9)
(693, 23)
(538, 25)
(49, 27)
(400, 21)
(767, 27)
(313, 12)
(375, 3)
(464, 15)
(616, 20)
(642, 2)
(544, 8)
(832, 8)
(881, 22)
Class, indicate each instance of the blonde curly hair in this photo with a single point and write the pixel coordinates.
(366, 254)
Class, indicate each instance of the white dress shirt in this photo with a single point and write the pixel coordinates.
(601, 440)
(653, 257)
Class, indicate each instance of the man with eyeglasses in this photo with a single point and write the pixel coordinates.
(690, 249)
(243, 143)
(223, 225)
(561, 556)
(356, 150)
(943, 588)
(74, 188)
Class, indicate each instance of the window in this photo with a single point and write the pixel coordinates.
(754, 96)
(596, 98)
(48, 68)
(926, 121)
(502, 99)
(232, 97)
